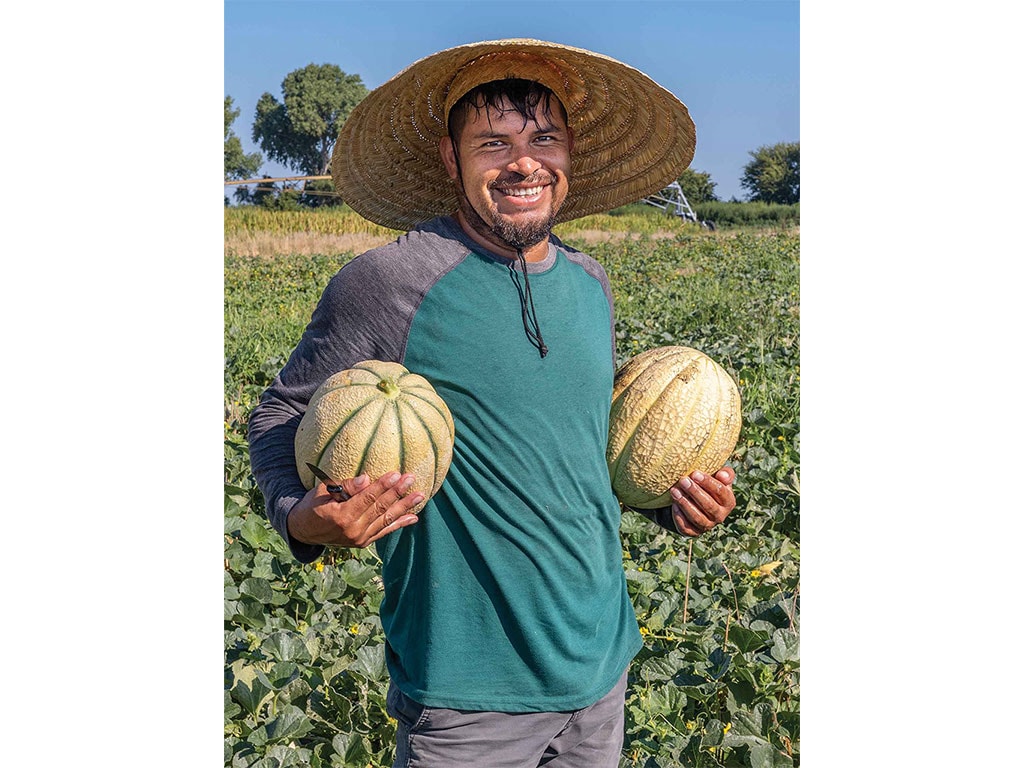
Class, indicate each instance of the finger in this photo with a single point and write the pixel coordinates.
(398, 516)
(726, 474)
(688, 518)
(395, 486)
(714, 491)
(354, 485)
(370, 500)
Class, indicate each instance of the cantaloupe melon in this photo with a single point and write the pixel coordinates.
(674, 411)
(377, 417)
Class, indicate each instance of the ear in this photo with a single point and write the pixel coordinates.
(447, 150)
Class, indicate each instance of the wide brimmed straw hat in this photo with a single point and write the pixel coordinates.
(632, 137)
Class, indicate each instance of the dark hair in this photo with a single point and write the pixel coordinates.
(526, 97)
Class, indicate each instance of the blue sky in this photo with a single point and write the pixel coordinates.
(735, 64)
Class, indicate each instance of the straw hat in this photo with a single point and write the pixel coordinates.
(633, 137)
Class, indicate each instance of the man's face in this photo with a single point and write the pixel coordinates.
(514, 177)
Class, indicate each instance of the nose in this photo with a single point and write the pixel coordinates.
(524, 165)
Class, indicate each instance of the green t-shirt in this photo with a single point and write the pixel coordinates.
(509, 593)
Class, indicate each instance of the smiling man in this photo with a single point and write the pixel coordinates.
(509, 630)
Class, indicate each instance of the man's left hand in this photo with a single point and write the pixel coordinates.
(702, 501)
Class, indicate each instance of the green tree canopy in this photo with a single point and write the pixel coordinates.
(237, 164)
(773, 176)
(300, 132)
(697, 186)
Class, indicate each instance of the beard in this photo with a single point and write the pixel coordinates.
(513, 231)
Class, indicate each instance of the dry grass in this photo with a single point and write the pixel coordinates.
(270, 244)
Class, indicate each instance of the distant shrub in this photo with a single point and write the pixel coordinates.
(748, 214)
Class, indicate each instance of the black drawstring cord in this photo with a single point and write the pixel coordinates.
(530, 324)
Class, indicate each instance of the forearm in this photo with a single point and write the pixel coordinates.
(272, 427)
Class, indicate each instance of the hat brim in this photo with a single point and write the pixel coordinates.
(632, 137)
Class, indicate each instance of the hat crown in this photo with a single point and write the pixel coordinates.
(506, 65)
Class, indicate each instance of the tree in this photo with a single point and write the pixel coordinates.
(237, 164)
(773, 176)
(300, 132)
(697, 186)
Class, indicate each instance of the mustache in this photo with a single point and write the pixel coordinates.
(537, 178)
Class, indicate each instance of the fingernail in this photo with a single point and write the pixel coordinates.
(361, 481)
(675, 493)
(406, 484)
(417, 498)
(687, 483)
(698, 476)
(392, 478)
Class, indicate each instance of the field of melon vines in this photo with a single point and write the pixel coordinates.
(718, 680)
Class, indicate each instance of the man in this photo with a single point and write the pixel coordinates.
(509, 629)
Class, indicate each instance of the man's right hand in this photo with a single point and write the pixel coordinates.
(373, 510)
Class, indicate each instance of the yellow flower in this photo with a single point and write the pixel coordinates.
(319, 565)
(354, 629)
(755, 573)
(727, 727)
(645, 631)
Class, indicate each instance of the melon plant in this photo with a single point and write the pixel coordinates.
(674, 411)
(377, 417)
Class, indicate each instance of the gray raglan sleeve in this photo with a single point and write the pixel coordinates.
(338, 336)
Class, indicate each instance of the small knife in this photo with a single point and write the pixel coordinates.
(332, 487)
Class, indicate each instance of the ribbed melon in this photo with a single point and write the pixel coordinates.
(674, 411)
(377, 417)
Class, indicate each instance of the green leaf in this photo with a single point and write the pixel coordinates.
(747, 640)
(250, 693)
(713, 733)
(357, 574)
(285, 646)
(370, 662)
(255, 531)
(661, 667)
(248, 612)
(290, 723)
(328, 587)
(257, 588)
(764, 755)
(231, 708)
(752, 723)
(720, 662)
(785, 645)
(356, 752)
(282, 673)
(235, 498)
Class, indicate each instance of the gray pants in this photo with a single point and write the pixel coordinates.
(431, 737)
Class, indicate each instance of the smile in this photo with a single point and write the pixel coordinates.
(528, 192)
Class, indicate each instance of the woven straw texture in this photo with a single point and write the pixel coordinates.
(633, 137)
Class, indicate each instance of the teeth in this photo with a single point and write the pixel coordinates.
(523, 192)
